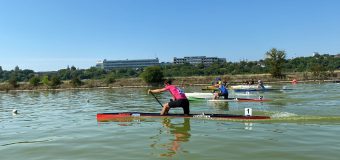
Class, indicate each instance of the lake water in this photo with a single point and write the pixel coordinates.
(63, 125)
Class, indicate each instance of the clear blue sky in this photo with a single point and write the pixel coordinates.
(46, 35)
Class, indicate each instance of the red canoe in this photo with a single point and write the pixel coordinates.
(113, 116)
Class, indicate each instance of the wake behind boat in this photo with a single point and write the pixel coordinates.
(209, 97)
(240, 100)
(230, 99)
(199, 95)
(261, 90)
(102, 117)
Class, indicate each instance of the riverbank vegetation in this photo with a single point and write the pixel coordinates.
(273, 68)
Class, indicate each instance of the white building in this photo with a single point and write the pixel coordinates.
(139, 63)
(198, 60)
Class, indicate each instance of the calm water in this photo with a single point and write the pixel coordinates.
(62, 125)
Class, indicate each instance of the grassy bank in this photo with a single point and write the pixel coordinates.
(181, 81)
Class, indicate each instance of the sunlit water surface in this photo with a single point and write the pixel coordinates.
(63, 125)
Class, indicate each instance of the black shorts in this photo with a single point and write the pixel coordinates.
(184, 103)
(224, 95)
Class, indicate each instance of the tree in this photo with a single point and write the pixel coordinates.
(1, 72)
(73, 68)
(65, 74)
(275, 60)
(93, 73)
(152, 74)
(200, 66)
(16, 69)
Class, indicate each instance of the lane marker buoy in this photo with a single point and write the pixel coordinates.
(14, 111)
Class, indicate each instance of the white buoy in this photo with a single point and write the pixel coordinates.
(14, 111)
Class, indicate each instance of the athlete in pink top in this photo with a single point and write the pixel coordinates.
(179, 98)
(176, 92)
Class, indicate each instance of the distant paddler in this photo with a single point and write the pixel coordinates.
(223, 91)
(294, 81)
(260, 85)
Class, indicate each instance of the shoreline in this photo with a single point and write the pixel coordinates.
(149, 86)
(179, 81)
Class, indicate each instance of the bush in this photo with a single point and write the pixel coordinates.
(110, 78)
(34, 81)
(45, 80)
(55, 81)
(152, 74)
(75, 82)
(91, 83)
(13, 81)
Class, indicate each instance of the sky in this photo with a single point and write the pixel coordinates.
(48, 35)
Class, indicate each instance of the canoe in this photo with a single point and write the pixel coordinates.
(121, 115)
(247, 86)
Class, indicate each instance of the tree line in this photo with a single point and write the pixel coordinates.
(321, 65)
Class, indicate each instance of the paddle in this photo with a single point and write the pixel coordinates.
(156, 99)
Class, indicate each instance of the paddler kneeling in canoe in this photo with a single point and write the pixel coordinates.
(260, 85)
(179, 98)
(223, 91)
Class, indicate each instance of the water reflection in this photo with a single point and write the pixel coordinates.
(179, 131)
(248, 126)
(221, 106)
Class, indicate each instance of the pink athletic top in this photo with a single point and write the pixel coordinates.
(176, 92)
